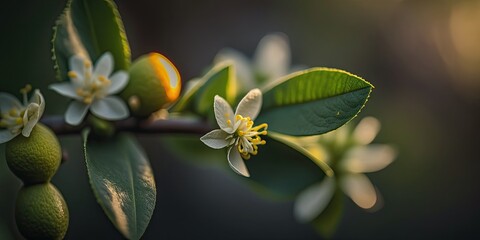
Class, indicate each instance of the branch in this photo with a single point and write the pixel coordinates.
(193, 126)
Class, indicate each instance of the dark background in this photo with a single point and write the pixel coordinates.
(426, 95)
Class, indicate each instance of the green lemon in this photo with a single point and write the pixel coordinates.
(153, 84)
(41, 212)
(34, 159)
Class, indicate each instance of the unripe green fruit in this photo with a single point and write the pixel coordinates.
(41, 212)
(34, 159)
(153, 84)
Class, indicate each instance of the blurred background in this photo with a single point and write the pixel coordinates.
(422, 56)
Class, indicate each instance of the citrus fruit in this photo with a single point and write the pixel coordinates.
(153, 84)
(41, 212)
(34, 159)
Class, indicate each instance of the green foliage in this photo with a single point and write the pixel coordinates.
(327, 222)
(281, 170)
(309, 102)
(89, 28)
(313, 101)
(122, 180)
(220, 80)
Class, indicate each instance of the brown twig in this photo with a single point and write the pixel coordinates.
(193, 126)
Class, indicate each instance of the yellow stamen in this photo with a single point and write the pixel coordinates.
(246, 156)
(104, 80)
(87, 64)
(72, 74)
(94, 87)
(18, 121)
(26, 89)
(80, 92)
(88, 100)
(263, 125)
(248, 136)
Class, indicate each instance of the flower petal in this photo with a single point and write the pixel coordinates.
(77, 64)
(37, 98)
(223, 113)
(312, 201)
(359, 188)
(250, 105)
(236, 162)
(118, 82)
(272, 57)
(76, 112)
(104, 65)
(8, 101)
(30, 118)
(110, 108)
(6, 135)
(215, 139)
(369, 158)
(366, 130)
(241, 64)
(65, 89)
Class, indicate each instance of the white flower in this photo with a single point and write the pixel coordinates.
(16, 118)
(237, 131)
(271, 61)
(91, 89)
(359, 157)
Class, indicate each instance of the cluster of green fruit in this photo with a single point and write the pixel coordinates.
(41, 211)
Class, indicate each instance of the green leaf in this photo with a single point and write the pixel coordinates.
(283, 170)
(327, 222)
(314, 101)
(280, 170)
(220, 80)
(89, 28)
(122, 181)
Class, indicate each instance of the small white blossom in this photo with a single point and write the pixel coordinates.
(359, 157)
(270, 61)
(15, 117)
(91, 88)
(237, 131)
